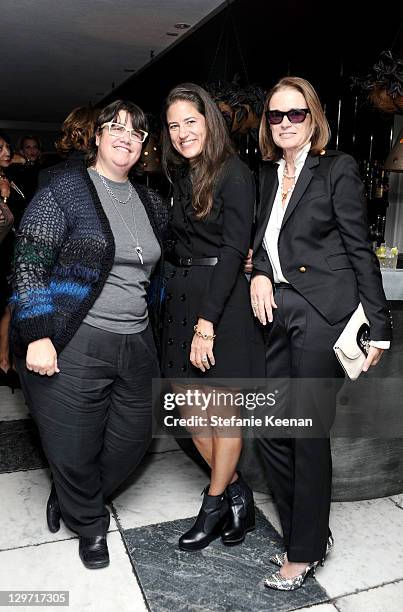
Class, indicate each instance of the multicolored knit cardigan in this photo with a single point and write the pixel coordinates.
(64, 252)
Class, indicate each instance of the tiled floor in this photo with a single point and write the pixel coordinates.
(148, 572)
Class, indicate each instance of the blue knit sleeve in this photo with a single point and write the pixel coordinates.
(39, 239)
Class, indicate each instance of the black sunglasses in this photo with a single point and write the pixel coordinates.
(295, 115)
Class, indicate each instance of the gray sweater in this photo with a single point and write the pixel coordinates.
(121, 306)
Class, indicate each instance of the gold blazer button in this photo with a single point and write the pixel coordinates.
(302, 269)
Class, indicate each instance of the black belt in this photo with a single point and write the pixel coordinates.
(185, 262)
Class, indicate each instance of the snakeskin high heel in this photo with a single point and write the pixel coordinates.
(279, 583)
(279, 558)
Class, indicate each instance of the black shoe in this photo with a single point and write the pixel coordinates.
(241, 515)
(209, 523)
(93, 551)
(53, 513)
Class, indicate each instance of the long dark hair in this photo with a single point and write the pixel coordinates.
(110, 113)
(205, 169)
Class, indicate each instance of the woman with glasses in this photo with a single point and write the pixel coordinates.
(209, 330)
(311, 244)
(87, 249)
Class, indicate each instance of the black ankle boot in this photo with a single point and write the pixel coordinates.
(53, 513)
(209, 523)
(93, 551)
(241, 514)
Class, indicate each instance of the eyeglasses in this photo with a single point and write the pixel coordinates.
(117, 129)
(294, 115)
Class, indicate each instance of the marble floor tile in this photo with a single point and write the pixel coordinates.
(20, 446)
(265, 503)
(216, 579)
(165, 487)
(12, 405)
(398, 500)
(387, 597)
(57, 566)
(366, 533)
(162, 445)
(326, 607)
(22, 510)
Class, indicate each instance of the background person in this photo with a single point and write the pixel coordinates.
(76, 135)
(86, 250)
(14, 198)
(312, 244)
(25, 171)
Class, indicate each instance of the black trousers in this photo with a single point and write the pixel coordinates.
(299, 470)
(94, 419)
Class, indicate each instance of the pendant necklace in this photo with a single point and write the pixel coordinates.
(284, 193)
(138, 249)
(110, 192)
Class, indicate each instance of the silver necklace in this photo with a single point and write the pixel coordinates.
(137, 248)
(110, 192)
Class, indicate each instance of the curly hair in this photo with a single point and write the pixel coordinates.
(77, 130)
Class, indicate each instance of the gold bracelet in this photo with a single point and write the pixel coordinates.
(203, 334)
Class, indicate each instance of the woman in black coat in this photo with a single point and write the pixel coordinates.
(209, 331)
(311, 244)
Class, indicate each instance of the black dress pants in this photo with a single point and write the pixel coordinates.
(94, 419)
(299, 470)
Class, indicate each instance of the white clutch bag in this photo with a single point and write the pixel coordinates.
(352, 346)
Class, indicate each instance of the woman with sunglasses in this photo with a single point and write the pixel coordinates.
(87, 249)
(311, 245)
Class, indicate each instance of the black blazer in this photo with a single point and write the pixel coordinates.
(323, 244)
(225, 233)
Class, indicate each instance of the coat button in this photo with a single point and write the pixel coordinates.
(185, 272)
(170, 341)
(302, 269)
(173, 273)
(184, 322)
(170, 319)
(184, 344)
(169, 296)
(183, 297)
(184, 368)
(170, 364)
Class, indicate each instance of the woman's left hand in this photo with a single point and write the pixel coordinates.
(374, 355)
(201, 351)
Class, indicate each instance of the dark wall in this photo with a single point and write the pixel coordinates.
(262, 40)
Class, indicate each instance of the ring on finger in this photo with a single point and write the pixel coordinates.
(204, 358)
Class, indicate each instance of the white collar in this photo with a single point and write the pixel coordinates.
(301, 156)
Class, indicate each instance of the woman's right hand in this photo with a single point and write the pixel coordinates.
(262, 299)
(42, 357)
